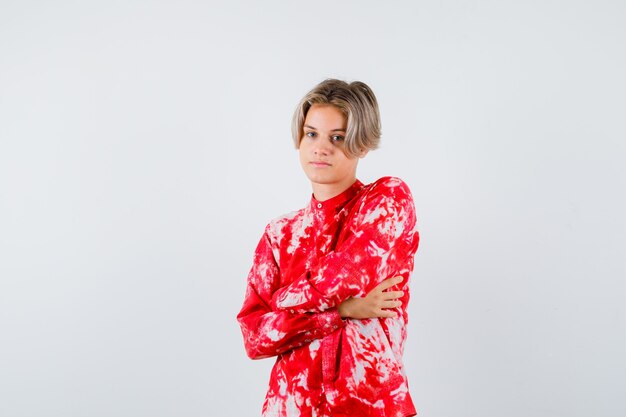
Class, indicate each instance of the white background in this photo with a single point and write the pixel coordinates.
(145, 145)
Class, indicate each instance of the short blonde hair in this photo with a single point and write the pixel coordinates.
(356, 101)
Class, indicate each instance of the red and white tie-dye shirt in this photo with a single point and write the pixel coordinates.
(305, 265)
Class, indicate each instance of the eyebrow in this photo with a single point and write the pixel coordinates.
(333, 130)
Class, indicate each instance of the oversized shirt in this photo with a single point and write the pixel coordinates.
(308, 262)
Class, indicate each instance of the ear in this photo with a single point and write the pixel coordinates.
(363, 153)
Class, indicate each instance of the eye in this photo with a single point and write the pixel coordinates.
(337, 138)
(310, 134)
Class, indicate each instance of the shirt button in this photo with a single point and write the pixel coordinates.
(319, 205)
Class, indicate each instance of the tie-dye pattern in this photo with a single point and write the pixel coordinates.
(305, 265)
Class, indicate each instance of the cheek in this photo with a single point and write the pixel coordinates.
(354, 164)
(301, 153)
(302, 146)
(348, 166)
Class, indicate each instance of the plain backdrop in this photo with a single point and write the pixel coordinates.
(144, 145)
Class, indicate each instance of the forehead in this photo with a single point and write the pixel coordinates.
(325, 116)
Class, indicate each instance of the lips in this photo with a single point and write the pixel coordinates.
(319, 164)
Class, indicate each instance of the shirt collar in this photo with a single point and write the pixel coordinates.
(337, 202)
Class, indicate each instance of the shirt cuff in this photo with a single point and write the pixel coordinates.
(330, 320)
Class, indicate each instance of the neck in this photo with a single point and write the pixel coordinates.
(323, 192)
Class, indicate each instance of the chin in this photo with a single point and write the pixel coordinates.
(320, 179)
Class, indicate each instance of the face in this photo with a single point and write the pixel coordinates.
(321, 151)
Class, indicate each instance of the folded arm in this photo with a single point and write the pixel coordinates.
(381, 243)
(269, 333)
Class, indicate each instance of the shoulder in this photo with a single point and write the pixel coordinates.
(387, 188)
(388, 204)
(277, 227)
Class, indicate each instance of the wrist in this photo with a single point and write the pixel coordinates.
(342, 310)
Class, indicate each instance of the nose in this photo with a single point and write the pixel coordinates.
(322, 147)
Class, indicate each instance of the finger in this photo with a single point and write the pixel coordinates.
(389, 282)
(391, 304)
(384, 285)
(391, 295)
(387, 314)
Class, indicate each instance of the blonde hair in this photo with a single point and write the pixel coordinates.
(356, 101)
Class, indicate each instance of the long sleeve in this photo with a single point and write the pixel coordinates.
(266, 332)
(382, 240)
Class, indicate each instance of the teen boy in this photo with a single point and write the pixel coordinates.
(328, 289)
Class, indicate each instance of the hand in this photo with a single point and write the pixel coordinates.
(375, 304)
